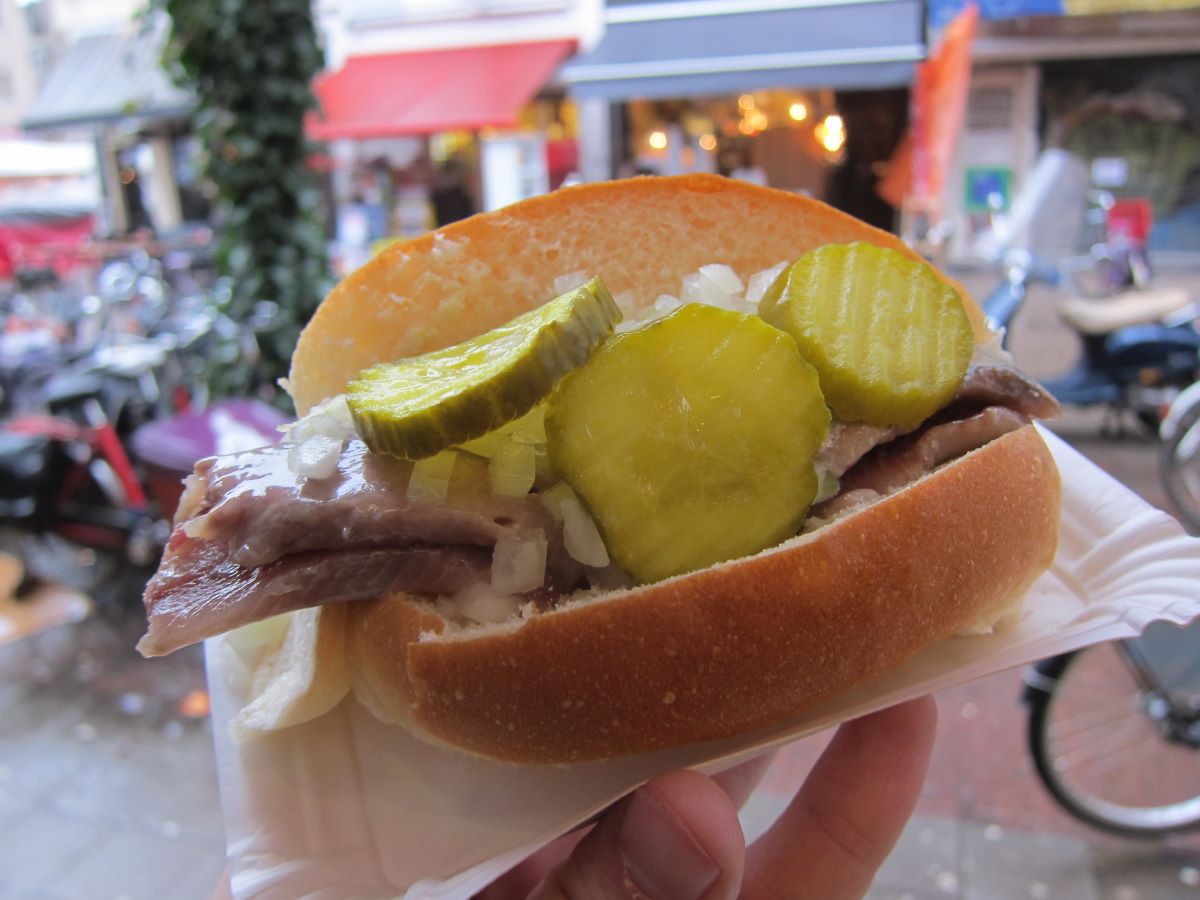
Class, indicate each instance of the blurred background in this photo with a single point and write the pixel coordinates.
(181, 182)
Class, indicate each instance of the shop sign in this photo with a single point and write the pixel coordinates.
(989, 189)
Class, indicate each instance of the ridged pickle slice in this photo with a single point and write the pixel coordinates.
(889, 338)
(418, 407)
(691, 440)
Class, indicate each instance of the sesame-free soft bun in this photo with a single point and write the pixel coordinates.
(714, 652)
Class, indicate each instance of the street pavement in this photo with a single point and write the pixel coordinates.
(108, 785)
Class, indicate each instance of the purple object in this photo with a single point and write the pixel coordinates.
(228, 426)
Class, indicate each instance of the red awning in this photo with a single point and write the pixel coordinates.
(438, 90)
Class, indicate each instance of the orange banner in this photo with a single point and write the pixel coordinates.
(938, 106)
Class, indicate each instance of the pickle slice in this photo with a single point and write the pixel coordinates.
(691, 441)
(417, 407)
(889, 338)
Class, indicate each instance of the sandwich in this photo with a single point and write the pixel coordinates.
(627, 466)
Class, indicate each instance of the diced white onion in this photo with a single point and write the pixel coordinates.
(827, 485)
(531, 427)
(723, 277)
(484, 604)
(552, 498)
(519, 562)
(581, 536)
(331, 418)
(568, 282)
(315, 457)
(430, 479)
(760, 281)
(512, 469)
(626, 301)
(486, 445)
(699, 288)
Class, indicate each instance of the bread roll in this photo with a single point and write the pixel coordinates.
(711, 653)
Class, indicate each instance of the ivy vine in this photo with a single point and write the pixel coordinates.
(249, 64)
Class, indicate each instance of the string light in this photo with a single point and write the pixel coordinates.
(798, 111)
(746, 101)
(708, 142)
(657, 140)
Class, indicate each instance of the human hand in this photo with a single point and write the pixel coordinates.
(678, 836)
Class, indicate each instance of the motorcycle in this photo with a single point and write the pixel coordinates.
(1140, 347)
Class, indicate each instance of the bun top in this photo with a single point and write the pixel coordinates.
(452, 284)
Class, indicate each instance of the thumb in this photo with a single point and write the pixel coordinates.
(675, 838)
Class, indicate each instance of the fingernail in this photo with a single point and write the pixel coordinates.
(660, 854)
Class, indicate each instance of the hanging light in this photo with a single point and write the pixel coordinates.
(831, 132)
(657, 140)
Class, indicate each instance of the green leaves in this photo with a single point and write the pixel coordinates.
(249, 64)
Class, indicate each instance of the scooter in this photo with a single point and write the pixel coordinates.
(1140, 347)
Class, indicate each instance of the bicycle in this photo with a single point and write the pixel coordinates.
(1179, 456)
(1114, 728)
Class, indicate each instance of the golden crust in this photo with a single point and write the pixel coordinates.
(711, 653)
(445, 287)
(735, 646)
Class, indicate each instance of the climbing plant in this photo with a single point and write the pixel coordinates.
(249, 64)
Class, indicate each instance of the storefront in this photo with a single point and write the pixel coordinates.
(806, 98)
(434, 111)
(1116, 89)
(111, 89)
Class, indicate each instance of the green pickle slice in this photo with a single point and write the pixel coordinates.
(889, 338)
(418, 407)
(691, 440)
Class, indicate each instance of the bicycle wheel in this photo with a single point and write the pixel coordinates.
(1101, 752)
(1179, 467)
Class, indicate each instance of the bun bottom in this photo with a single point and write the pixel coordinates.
(730, 648)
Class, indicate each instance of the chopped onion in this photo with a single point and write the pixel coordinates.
(723, 277)
(552, 498)
(519, 562)
(484, 604)
(760, 281)
(626, 302)
(486, 445)
(512, 469)
(331, 418)
(565, 283)
(531, 427)
(581, 536)
(827, 485)
(430, 479)
(315, 457)
(699, 288)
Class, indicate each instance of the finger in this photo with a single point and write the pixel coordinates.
(517, 882)
(844, 822)
(675, 838)
(740, 781)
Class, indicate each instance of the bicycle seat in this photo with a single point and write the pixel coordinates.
(64, 389)
(1129, 308)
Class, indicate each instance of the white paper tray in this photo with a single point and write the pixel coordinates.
(348, 806)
